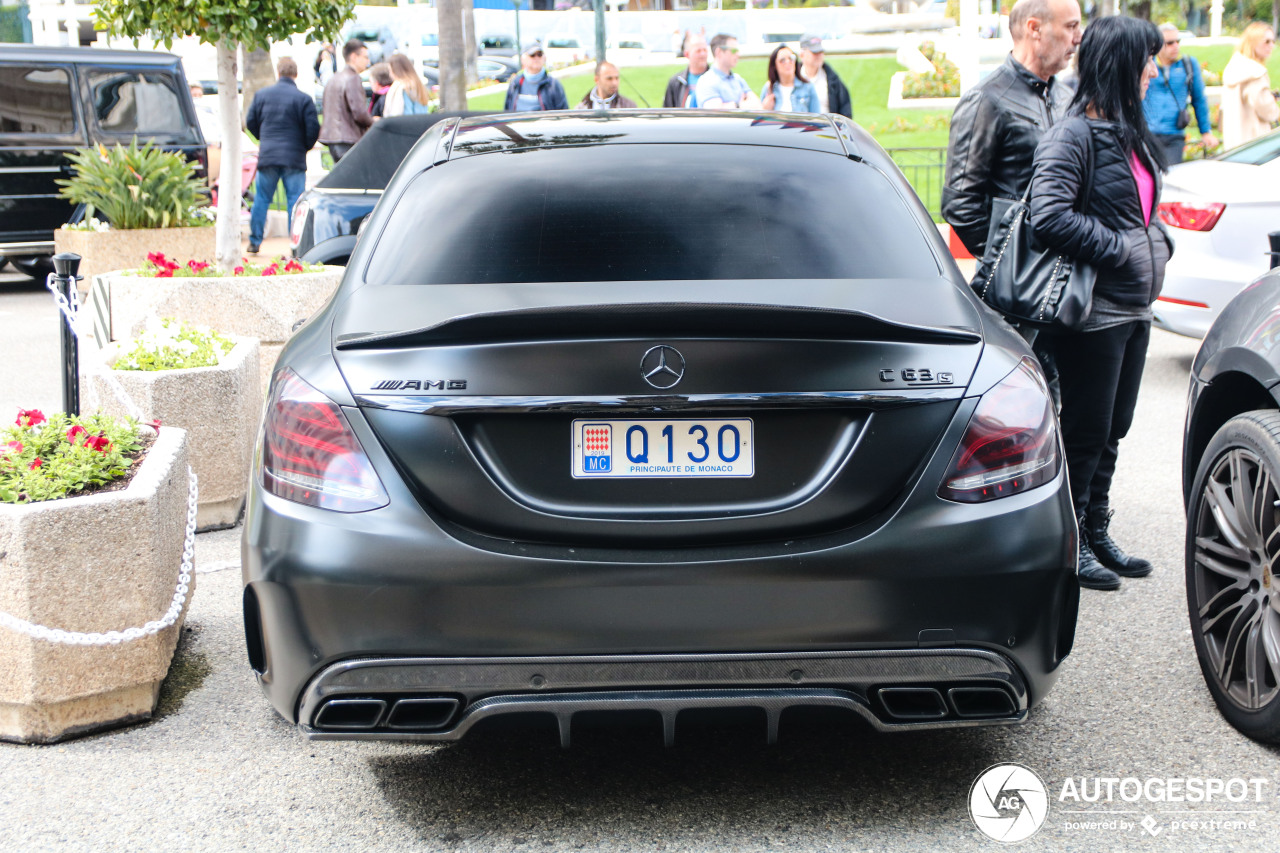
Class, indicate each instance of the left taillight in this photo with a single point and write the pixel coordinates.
(309, 453)
(1190, 217)
(301, 208)
(1010, 444)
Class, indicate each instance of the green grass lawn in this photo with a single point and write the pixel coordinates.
(866, 76)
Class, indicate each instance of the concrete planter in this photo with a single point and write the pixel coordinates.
(104, 251)
(96, 563)
(262, 307)
(897, 102)
(219, 407)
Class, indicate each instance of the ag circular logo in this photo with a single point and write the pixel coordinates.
(1008, 803)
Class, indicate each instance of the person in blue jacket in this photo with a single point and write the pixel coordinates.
(787, 91)
(284, 121)
(1178, 81)
(533, 88)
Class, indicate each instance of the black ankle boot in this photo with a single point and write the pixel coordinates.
(1105, 548)
(1092, 574)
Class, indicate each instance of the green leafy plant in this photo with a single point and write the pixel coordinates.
(135, 187)
(42, 459)
(174, 345)
(942, 82)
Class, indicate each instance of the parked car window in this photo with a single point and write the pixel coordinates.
(36, 100)
(497, 42)
(635, 213)
(1262, 150)
(137, 102)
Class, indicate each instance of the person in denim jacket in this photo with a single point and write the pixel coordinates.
(787, 91)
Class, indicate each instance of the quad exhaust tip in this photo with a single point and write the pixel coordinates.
(406, 715)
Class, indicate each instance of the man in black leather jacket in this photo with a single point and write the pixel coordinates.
(999, 122)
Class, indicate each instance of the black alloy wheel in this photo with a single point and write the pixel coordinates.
(1233, 597)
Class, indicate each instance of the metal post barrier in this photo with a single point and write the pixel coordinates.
(66, 268)
(1274, 237)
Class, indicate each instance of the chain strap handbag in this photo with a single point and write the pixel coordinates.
(1031, 285)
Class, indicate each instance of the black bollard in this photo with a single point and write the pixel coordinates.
(1274, 237)
(66, 268)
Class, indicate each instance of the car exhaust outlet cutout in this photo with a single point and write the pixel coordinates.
(913, 703)
(974, 703)
(350, 714)
(422, 715)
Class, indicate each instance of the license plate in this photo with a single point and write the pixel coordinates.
(676, 448)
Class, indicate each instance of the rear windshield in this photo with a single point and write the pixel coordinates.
(641, 212)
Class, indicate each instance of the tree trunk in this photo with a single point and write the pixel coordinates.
(469, 39)
(453, 71)
(228, 223)
(1275, 16)
(258, 74)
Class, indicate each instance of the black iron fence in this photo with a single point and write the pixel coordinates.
(925, 169)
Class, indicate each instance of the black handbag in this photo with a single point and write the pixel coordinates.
(1033, 286)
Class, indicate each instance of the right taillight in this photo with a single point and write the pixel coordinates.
(300, 210)
(1010, 444)
(309, 453)
(1190, 217)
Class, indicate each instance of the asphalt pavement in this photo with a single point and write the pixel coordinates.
(217, 770)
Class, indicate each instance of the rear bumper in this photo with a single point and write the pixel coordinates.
(1195, 291)
(433, 699)
(400, 584)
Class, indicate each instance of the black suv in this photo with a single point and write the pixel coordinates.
(54, 100)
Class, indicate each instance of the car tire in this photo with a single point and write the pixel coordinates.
(36, 266)
(1233, 599)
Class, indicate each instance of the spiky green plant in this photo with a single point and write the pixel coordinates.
(135, 187)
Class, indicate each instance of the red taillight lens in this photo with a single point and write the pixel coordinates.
(1191, 217)
(309, 453)
(300, 210)
(1011, 443)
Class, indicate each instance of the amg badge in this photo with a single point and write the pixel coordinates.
(421, 385)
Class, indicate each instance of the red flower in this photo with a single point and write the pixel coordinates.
(293, 266)
(99, 443)
(75, 432)
(157, 258)
(271, 270)
(30, 417)
(35, 463)
(164, 273)
(238, 271)
(197, 266)
(155, 425)
(14, 447)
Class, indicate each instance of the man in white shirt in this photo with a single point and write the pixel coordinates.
(720, 88)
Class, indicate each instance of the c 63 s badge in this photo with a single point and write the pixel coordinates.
(917, 376)
(403, 385)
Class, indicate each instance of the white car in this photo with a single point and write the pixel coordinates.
(1219, 212)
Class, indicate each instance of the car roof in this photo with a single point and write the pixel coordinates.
(43, 53)
(516, 132)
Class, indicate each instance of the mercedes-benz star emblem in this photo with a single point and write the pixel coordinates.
(662, 366)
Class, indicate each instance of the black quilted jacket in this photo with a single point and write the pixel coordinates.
(1129, 255)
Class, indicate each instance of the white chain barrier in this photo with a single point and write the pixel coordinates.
(112, 638)
(71, 312)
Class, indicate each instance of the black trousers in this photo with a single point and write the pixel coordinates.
(1100, 373)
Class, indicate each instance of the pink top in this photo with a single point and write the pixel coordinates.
(1146, 185)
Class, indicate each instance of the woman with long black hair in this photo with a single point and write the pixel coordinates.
(1094, 193)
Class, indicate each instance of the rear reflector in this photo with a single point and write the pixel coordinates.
(1191, 217)
(309, 453)
(1011, 443)
(1189, 303)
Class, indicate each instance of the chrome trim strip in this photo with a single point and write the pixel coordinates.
(667, 403)
(341, 191)
(22, 170)
(36, 247)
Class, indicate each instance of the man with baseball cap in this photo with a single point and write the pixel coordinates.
(533, 88)
(833, 97)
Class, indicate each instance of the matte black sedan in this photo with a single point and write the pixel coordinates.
(1231, 475)
(655, 412)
